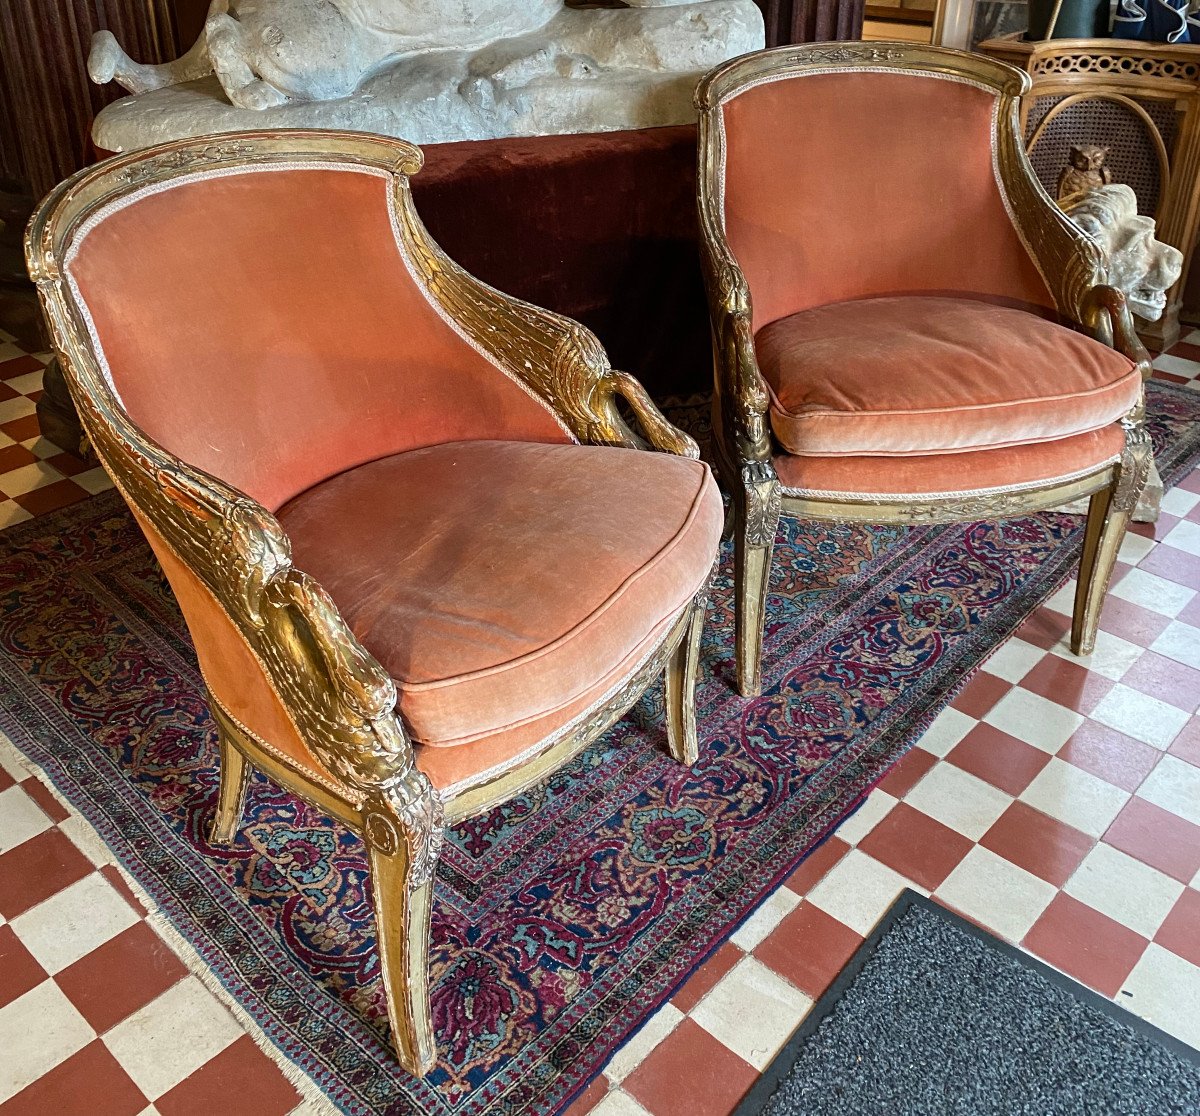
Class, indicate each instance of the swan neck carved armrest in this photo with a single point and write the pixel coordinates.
(557, 359)
(340, 700)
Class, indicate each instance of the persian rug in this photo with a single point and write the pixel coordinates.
(565, 918)
(934, 1015)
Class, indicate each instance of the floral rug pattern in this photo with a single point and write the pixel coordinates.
(564, 918)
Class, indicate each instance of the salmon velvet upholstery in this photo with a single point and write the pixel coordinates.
(506, 586)
(929, 375)
(264, 327)
(849, 185)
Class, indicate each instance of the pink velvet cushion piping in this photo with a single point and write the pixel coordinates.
(499, 582)
(919, 375)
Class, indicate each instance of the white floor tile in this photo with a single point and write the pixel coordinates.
(1153, 593)
(958, 799)
(1034, 719)
(858, 890)
(1174, 784)
(1179, 501)
(1112, 656)
(69, 925)
(1185, 535)
(1181, 642)
(1180, 366)
(1125, 889)
(37, 1032)
(11, 513)
(20, 818)
(32, 381)
(19, 407)
(1138, 715)
(617, 1103)
(1005, 898)
(752, 1011)
(1135, 547)
(948, 728)
(1062, 600)
(93, 481)
(85, 838)
(1166, 991)
(1076, 797)
(771, 912)
(877, 806)
(1014, 659)
(41, 447)
(172, 1036)
(38, 474)
(631, 1055)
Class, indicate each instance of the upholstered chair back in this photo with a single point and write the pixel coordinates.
(850, 184)
(221, 305)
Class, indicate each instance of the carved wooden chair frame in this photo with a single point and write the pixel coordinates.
(340, 699)
(1073, 265)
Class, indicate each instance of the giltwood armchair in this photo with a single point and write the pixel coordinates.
(906, 328)
(421, 557)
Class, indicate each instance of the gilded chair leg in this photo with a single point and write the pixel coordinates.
(403, 858)
(1109, 513)
(753, 546)
(231, 796)
(680, 681)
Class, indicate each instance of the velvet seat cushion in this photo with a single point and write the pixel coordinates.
(506, 586)
(921, 375)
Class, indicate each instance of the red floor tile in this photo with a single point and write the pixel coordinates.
(6, 780)
(689, 1073)
(1180, 931)
(1038, 843)
(22, 429)
(1044, 628)
(1157, 837)
(19, 366)
(980, 694)
(907, 773)
(1187, 744)
(707, 976)
(812, 869)
(121, 976)
(1132, 622)
(37, 869)
(13, 457)
(68, 464)
(1173, 564)
(589, 1098)
(808, 947)
(51, 497)
(240, 1081)
(1166, 680)
(40, 793)
(1085, 944)
(916, 845)
(19, 972)
(1185, 350)
(89, 1083)
(1068, 683)
(1111, 755)
(1156, 530)
(999, 759)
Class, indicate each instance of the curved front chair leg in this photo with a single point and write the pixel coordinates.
(753, 546)
(1109, 513)
(402, 851)
(680, 681)
(231, 796)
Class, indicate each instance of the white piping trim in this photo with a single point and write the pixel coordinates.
(902, 497)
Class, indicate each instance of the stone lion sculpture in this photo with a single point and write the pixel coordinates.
(427, 70)
(1141, 266)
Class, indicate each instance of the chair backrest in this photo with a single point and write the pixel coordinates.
(263, 318)
(846, 171)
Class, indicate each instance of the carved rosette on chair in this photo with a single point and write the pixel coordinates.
(904, 363)
(395, 506)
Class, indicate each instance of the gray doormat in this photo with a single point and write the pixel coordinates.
(934, 1016)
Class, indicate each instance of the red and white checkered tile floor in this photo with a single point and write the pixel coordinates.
(1055, 803)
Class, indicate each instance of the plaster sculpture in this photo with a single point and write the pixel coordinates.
(425, 70)
(1141, 266)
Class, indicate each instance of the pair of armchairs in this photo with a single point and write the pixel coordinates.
(420, 564)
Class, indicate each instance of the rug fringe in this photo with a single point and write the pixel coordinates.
(313, 1100)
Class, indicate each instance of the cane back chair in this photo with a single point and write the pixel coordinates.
(906, 328)
(282, 372)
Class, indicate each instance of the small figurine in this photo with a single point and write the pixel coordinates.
(1085, 172)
